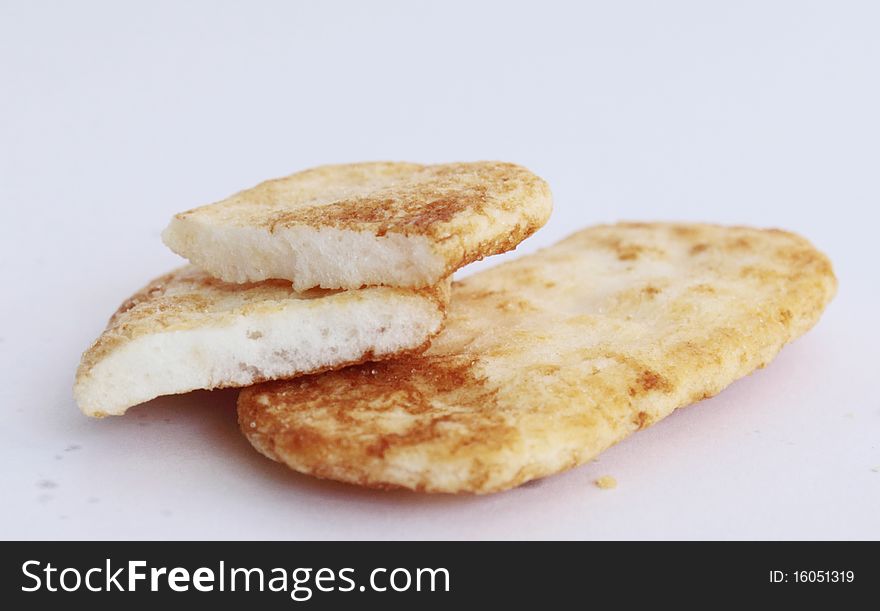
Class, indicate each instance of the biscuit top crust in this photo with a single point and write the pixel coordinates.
(380, 197)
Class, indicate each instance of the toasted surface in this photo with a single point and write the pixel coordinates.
(550, 359)
(187, 330)
(364, 224)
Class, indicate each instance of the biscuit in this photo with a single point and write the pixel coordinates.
(187, 330)
(550, 359)
(363, 224)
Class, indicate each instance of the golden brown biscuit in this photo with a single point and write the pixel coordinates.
(186, 331)
(363, 224)
(550, 359)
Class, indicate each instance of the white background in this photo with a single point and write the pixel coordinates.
(115, 115)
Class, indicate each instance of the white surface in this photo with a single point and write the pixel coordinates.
(114, 117)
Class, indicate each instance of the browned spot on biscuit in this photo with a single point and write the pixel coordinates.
(703, 288)
(642, 420)
(650, 291)
(685, 231)
(510, 305)
(547, 370)
(629, 252)
(482, 294)
(698, 248)
(805, 258)
(761, 274)
(785, 316)
(740, 243)
(303, 439)
(648, 381)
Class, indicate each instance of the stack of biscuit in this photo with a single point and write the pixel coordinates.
(326, 296)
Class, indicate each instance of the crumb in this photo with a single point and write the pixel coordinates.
(606, 482)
